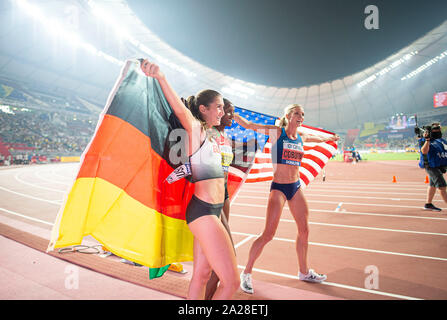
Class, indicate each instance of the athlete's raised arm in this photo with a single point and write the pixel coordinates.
(315, 138)
(185, 116)
(261, 128)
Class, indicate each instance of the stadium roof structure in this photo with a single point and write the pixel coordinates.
(78, 47)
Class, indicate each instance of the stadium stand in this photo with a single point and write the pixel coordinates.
(38, 126)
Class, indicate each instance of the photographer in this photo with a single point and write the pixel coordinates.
(433, 159)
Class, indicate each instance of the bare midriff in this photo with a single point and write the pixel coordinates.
(211, 190)
(285, 173)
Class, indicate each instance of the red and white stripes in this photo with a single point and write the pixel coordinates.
(316, 155)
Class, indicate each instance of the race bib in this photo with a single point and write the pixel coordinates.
(179, 173)
(292, 153)
(227, 156)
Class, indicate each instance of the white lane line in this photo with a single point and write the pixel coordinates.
(250, 236)
(351, 212)
(379, 183)
(312, 191)
(37, 174)
(5, 171)
(332, 202)
(369, 198)
(353, 248)
(366, 184)
(309, 196)
(346, 226)
(343, 187)
(56, 202)
(243, 241)
(318, 190)
(333, 284)
(26, 217)
(17, 177)
(66, 178)
(375, 214)
(357, 183)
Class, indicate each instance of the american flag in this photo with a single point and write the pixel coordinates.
(253, 162)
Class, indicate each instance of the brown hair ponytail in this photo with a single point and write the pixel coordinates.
(204, 97)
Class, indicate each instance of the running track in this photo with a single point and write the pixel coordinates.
(369, 235)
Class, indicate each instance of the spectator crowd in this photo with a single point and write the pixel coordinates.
(49, 134)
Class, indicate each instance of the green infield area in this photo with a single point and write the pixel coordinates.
(384, 156)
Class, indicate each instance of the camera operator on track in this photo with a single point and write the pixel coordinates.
(434, 160)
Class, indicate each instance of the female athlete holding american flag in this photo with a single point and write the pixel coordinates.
(287, 151)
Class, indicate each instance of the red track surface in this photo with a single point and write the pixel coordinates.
(378, 225)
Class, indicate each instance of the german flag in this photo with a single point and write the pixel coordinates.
(120, 196)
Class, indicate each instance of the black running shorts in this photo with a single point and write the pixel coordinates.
(198, 208)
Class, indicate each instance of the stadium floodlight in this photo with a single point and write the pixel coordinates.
(88, 47)
(57, 29)
(239, 90)
(426, 65)
(366, 81)
(6, 109)
(387, 69)
(101, 13)
(31, 10)
(234, 92)
(242, 88)
(105, 17)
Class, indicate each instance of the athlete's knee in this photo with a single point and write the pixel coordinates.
(230, 281)
(203, 274)
(303, 231)
(266, 237)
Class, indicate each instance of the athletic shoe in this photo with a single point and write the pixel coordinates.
(312, 276)
(246, 284)
(431, 207)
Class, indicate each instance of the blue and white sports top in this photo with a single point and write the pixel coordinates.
(288, 151)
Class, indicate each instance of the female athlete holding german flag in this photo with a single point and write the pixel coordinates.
(213, 249)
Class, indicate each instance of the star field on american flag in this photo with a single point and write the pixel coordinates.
(240, 134)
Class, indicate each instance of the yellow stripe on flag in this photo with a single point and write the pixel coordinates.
(125, 226)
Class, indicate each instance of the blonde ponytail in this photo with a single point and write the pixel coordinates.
(283, 122)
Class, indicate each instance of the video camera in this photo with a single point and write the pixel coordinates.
(420, 132)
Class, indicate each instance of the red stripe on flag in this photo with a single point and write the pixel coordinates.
(263, 160)
(260, 179)
(315, 159)
(310, 169)
(253, 170)
(304, 178)
(320, 149)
